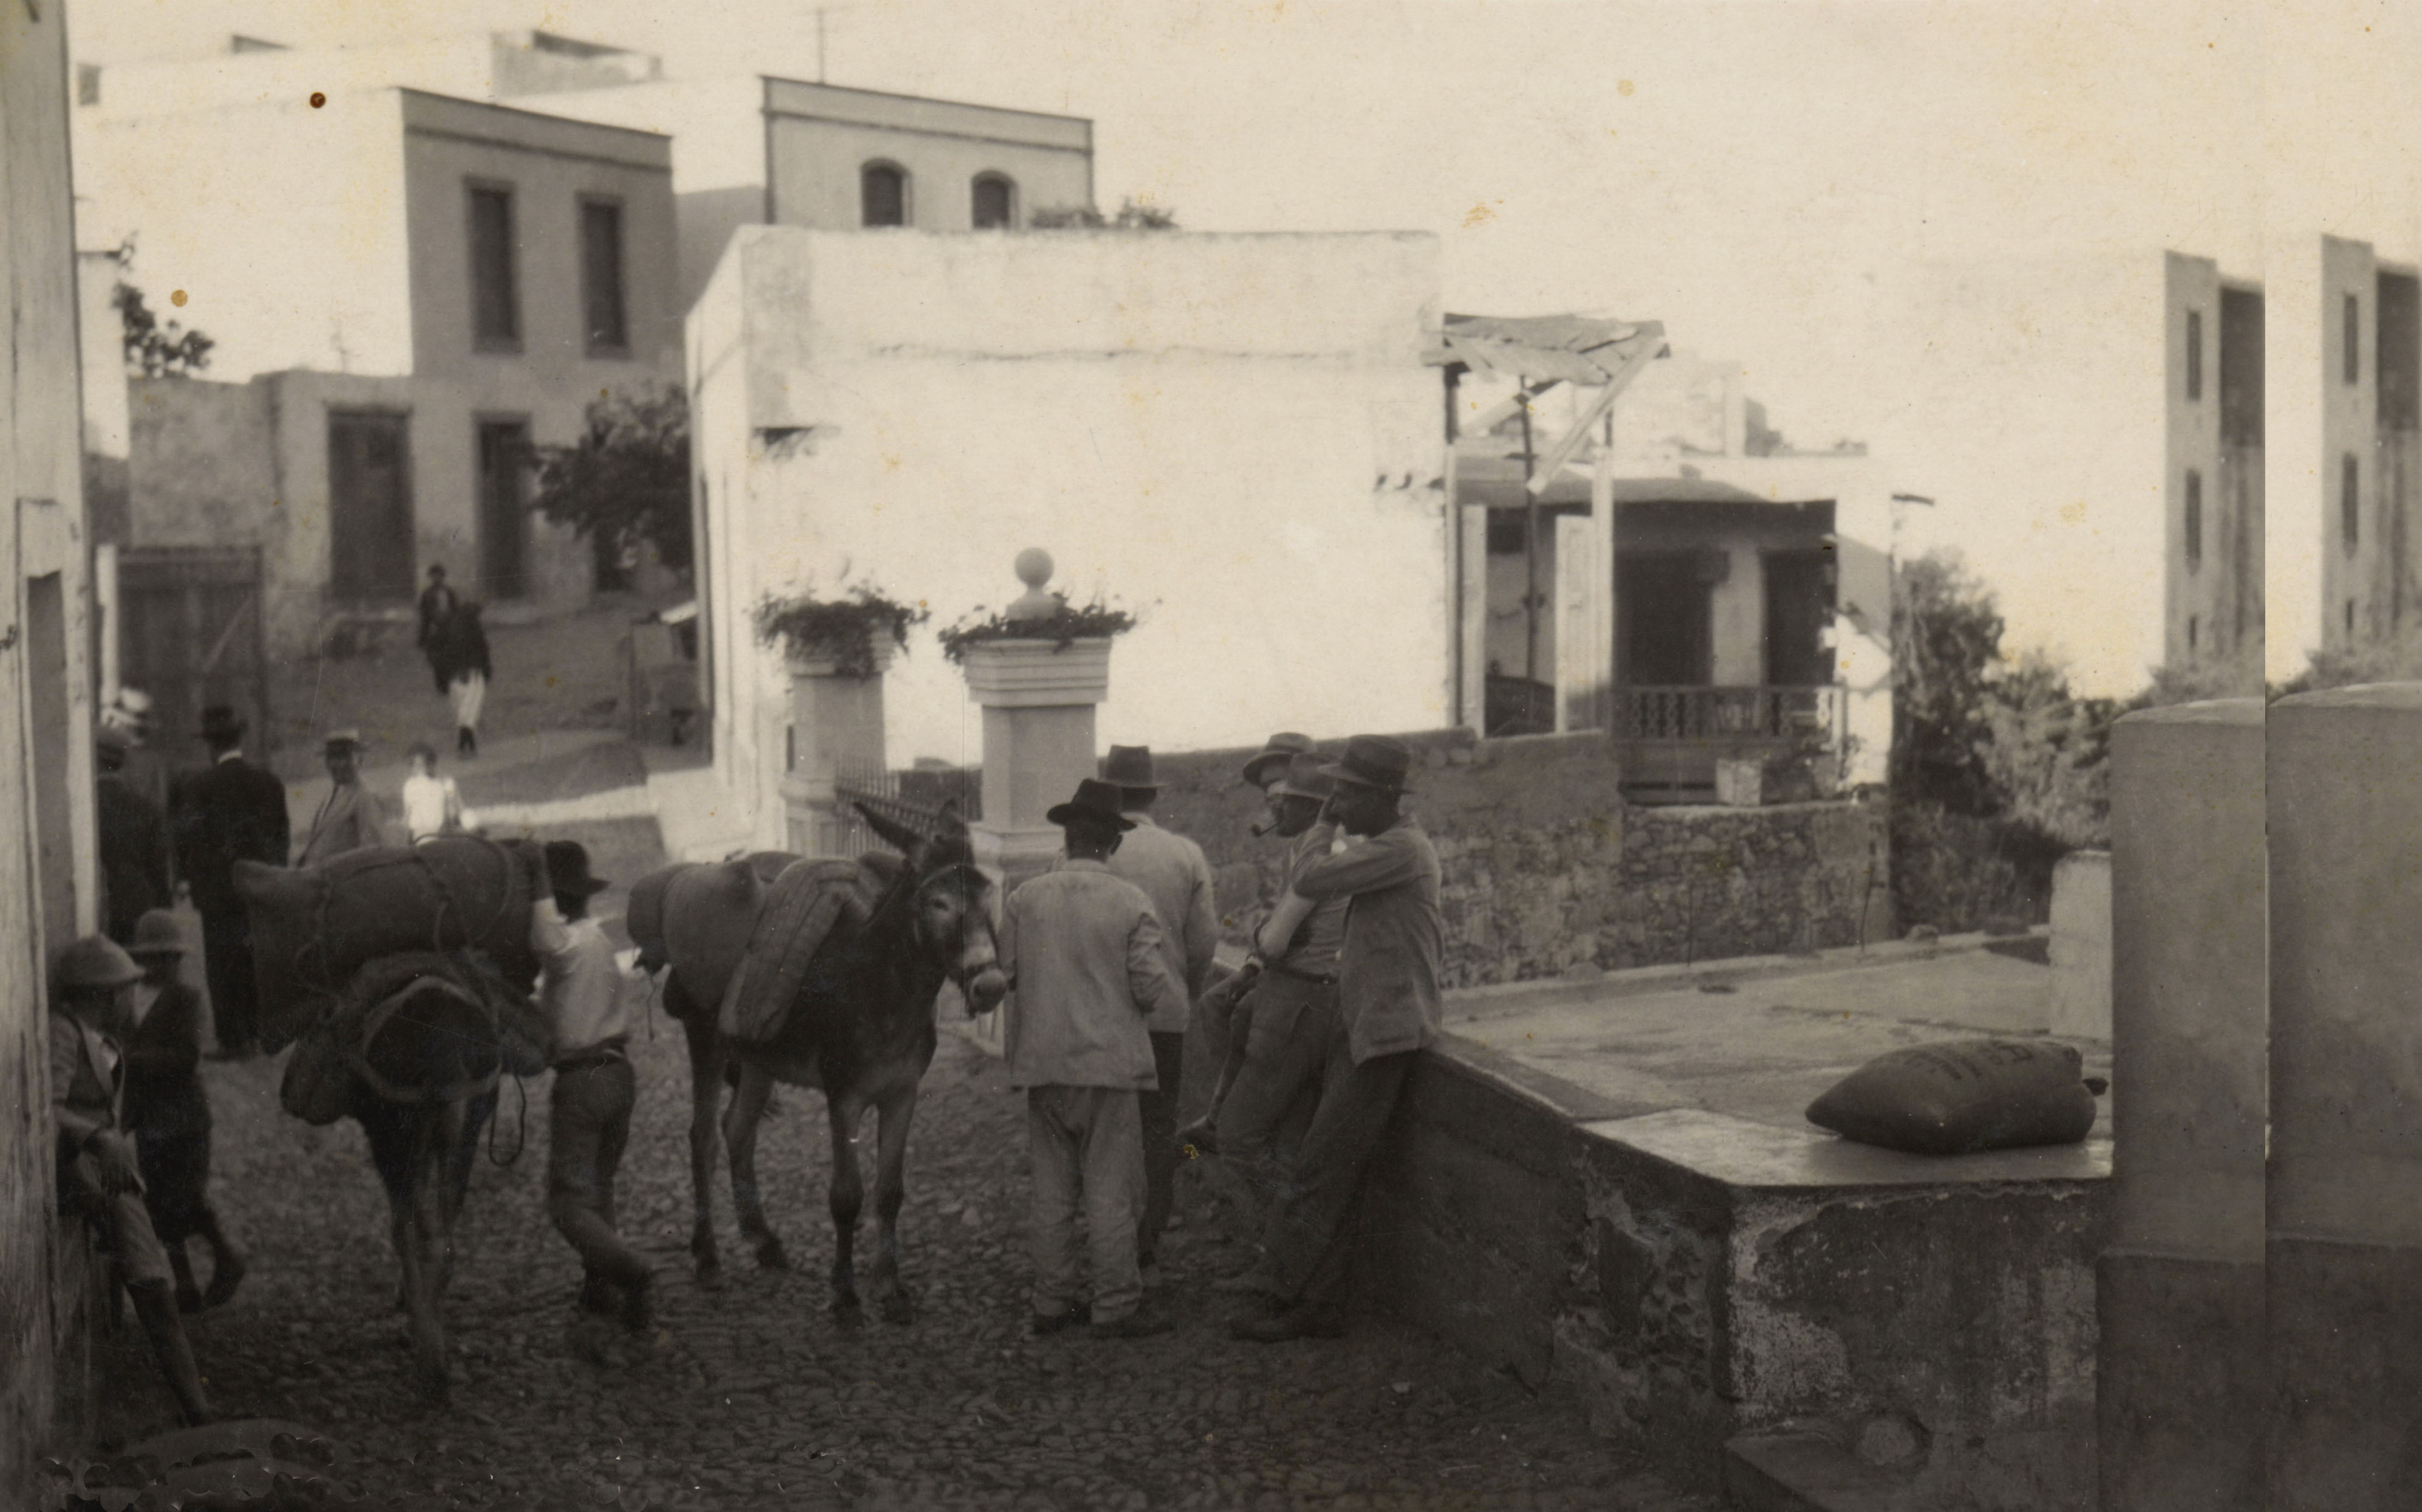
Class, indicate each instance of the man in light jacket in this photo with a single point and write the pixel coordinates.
(1082, 952)
(350, 817)
(1388, 1010)
(1174, 873)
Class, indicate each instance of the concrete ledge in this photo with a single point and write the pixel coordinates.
(1805, 1473)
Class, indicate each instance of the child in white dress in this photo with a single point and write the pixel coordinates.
(431, 805)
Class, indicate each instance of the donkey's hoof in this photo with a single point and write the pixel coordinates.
(898, 1309)
(771, 1255)
(847, 1313)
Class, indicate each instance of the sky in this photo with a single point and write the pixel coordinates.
(1761, 177)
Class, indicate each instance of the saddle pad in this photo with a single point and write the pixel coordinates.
(805, 905)
(645, 915)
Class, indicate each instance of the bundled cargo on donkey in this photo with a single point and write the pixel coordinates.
(313, 928)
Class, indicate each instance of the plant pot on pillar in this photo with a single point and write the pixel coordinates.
(835, 652)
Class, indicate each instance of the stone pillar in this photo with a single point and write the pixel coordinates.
(835, 725)
(1038, 698)
(2345, 1241)
(2181, 1388)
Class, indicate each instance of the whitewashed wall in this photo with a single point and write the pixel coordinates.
(1233, 435)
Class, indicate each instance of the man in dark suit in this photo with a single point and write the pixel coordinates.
(230, 812)
(134, 836)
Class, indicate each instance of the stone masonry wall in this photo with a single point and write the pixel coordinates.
(1548, 872)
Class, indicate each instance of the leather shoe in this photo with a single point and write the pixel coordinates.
(1276, 1325)
(1044, 1325)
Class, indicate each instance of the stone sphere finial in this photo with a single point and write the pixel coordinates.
(1034, 567)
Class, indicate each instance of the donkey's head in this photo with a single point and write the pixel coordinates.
(952, 904)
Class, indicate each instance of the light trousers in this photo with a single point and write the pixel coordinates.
(469, 691)
(1087, 1148)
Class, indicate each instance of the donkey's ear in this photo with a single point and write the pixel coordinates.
(948, 822)
(898, 836)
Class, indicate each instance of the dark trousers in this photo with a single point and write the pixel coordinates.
(1159, 1112)
(588, 1120)
(1262, 1123)
(227, 966)
(1310, 1241)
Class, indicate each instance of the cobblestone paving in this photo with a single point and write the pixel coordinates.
(753, 1396)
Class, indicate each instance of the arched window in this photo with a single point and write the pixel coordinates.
(996, 202)
(883, 194)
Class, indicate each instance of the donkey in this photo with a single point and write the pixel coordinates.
(860, 1029)
(423, 1088)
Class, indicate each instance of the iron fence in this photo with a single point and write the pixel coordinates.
(1696, 715)
(914, 798)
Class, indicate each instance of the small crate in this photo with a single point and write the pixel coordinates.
(1740, 784)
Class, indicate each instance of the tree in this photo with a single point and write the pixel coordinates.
(153, 349)
(1946, 636)
(626, 481)
(1133, 215)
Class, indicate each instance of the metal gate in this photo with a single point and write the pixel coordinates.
(913, 798)
(190, 635)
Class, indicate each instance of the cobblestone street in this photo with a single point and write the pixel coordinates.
(753, 1396)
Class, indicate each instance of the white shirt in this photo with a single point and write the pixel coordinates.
(582, 995)
(428, 801)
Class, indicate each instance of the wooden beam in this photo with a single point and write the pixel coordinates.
(1497, 414)
(1570, 442)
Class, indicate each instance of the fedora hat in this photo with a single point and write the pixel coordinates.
(97, 961)
(1095, 803)
(1131, 766)
(567, 868)
(1307, 777)
(343, 740)
(220, 723)
(156, 933)
(1279, 750)
(1380, 762)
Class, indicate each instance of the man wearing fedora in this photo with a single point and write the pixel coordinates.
(1175, 874)
(589, 1112)
(1388, 1010)
(1086, 972)
(351, 818)
(229, 811)
(1292, 1011)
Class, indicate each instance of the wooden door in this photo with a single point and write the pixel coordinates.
(504, 508)
(1665, 637)
(190, 635)
(369, 506)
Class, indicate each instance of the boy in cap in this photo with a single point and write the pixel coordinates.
(1175, 874)
(589, 1112)
(1083, 955)
(170, 1115)
(100, 1175)
(352, 817)
(1388, 1009)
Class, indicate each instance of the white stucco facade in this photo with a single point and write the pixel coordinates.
(1233, 435)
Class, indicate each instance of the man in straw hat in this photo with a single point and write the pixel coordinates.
(589, 1111)
(351, 818)
(1174, 873)
(100, 1175)
(1388, 1010)
(170, 1115)
(1087, 970)
(229, 811)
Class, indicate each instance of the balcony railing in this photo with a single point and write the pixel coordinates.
(1715, 716)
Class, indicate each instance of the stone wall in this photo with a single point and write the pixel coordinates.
(1547, 871)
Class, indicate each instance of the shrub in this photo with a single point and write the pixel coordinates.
(1065, 626)
(843, 631)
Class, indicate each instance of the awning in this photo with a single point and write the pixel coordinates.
(1497, 483)
(1570, 347)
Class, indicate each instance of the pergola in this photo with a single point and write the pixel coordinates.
(1538, 353)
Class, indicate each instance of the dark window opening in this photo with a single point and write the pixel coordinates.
(883, 195)
(2351, 501)
(2241, 368)
(2350, 619)
(2194, 354)
(2194, 519)
(601, 275)
(1799, 612)
(504, 508)
(495, 304)
(2400, 310)
(994, 202)
(2193, 626)
(1509, 532)
(1664, 630)
(2350, 339)
(369, 506)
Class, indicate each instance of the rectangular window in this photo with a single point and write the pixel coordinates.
(2241, 368)
(2351, 340)
(2194, 519)
(601, 275)
(2351, 501)
(2193, 626)
(2398, 310)
(496, 303)
(2194, 354)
